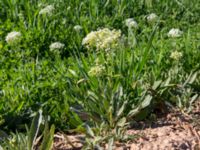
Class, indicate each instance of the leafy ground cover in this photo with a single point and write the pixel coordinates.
(173, 130)
(94, 67)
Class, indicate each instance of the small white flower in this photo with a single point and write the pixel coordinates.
(48, 10)
(131, 23)
(174, 33)
(78, 28)
(90, 39)
(152, 17)
(102, 39)
(176, 55)
(13, 38)
(56, 46)
(97, 71)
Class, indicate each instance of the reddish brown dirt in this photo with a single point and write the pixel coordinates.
(173, 131)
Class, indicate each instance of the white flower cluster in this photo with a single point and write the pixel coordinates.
(97, 71)
(13, 38)
(176, 55)
(56, 46)
(102, 39)
(152, 17)
(48, 10)
(174, 33)
(131, 23)
(77, 28)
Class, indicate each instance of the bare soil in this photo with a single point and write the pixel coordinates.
(172, 131)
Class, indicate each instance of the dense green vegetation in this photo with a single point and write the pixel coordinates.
(105, 71)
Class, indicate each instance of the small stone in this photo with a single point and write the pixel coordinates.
(183, 146)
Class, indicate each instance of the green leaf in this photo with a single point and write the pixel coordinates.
(193, 77)
(47, 141)
(156, 84)
(134, 111)
(167, 81)
(89, 131)
(146, 101)
(73, 72)
(35, 125)
(121, 122)
(110, 143)
(121, 110)
(194, 98)
(92, 95)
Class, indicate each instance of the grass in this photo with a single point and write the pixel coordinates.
(136, 76)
